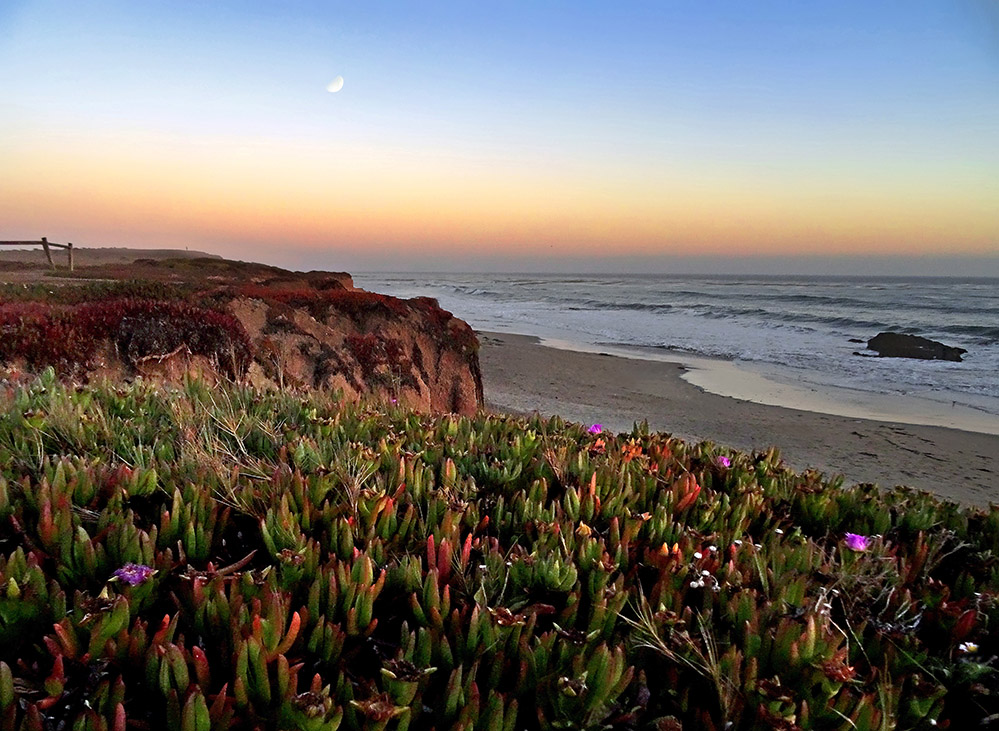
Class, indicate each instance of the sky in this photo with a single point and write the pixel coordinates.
(647, 136)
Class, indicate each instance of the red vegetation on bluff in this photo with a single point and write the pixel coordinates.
(320, 302)
(271, 326)
(65, 337)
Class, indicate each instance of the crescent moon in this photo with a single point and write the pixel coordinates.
(335, 85)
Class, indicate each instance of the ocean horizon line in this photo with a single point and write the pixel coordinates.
(649, 275)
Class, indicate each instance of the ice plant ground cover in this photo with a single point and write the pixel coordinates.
(207, 558)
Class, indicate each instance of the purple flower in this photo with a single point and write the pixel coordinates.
(595, 429)
(724, 462)
(133, 573)
(856, 542)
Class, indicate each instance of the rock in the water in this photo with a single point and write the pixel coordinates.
(900, 345)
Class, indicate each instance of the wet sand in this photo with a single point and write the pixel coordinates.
(523, 376)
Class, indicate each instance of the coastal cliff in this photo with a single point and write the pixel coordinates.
(409, 352)
(222, 319)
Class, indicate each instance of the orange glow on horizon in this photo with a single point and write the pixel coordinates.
(265, 193)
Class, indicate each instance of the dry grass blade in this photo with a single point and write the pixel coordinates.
(683, 649)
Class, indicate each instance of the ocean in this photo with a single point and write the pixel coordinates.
(790, 329)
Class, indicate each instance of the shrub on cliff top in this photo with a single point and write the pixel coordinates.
(37, 333)
(319, 302)
(94, 291)
(211, 558)
(66, 337)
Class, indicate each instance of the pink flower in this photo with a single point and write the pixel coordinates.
(133, 573)
(595, 429)
(856, 542)
(724, 462)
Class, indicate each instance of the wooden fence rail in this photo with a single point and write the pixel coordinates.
(45, 244)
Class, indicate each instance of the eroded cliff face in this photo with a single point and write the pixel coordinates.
(277, 329)
(408, 352)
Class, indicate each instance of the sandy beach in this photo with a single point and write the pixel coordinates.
(521, 375)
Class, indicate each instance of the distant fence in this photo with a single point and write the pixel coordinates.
(45, 244)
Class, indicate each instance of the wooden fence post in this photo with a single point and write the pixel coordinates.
(69, 248)
(48, 254)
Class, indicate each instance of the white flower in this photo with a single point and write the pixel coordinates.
(697, 554)
(713, 549)
(705, 572)
(969, 647)
(779, 532)
(737, 542)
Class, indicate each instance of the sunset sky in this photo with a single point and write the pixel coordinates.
(506, 135)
